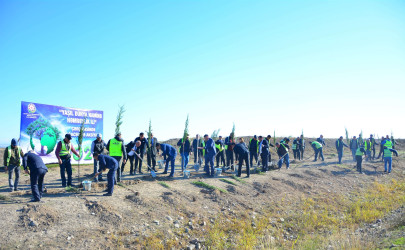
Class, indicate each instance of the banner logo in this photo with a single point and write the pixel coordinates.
(31, 108)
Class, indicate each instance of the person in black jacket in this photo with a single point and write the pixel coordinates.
(198, 143)
(264, 153)
(152, 151)
(253, 150)
(302, 146)
(37, 171)
(296, 148)
(242, 154)
(97, 146)
(185, 149)
(220, 145)
(140, 151)
(282, 151)
(131, 158)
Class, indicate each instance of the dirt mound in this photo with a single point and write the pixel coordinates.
(135, 199)
(38, 217)
(104, 211)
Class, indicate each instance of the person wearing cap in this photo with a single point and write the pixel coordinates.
(184, 149)
(12, 162)
(140, 151)
(35, 167)
(353, 145)
(317, 149)
(242, 155)
(98, 146)
(339, 147)
(209, 155)
(169, 154)
(112, 164)
(282, 152)
(116, 147)
(219, 144)
(296, 148)
(264, 153)
(253, 150)
(302, 146)
(198, 155)
(152, 151)
(63, 152)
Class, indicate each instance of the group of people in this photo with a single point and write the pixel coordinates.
(229, 152)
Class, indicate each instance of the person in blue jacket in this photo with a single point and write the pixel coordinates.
(321, 140)
(339, 147)
(242, 154)
(264, 153)
(210, 153)
(112, 164)
(184, 149)
(169, 154)
(37, 171)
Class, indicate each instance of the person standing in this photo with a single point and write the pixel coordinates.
(152, 151)
(268, 138)
(296, 148)
(321, 140)
(242, 155)
(209, 155)
(353, 145)
(141, 152)
(97, 146)
(116, 147)
(219, 144)
(254, 150)
(12, 162)
(169, 154)
(282, 152)
(388, 150)
(264, 153)
(373, 143)
(63, 152)
(367, 148)
(112, 164)
(198, 153)
(130, 159)
(339, 147)
(184, 149)
(317, 149)
(359, 158)
(394, 142)
(229, 145)
(302, 146)
(37, 171)
(381, 148)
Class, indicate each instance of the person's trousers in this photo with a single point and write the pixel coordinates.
(13, 169)
(265, 161)
(200, 156)
(151, 158)
(131, 159)
(285, 159)
(340, 155)
(373, 153)
(118, 175)
(380, 153)
(220, 157)
(354, 153)
(138, 162)
(209, 164)
(387, 161)
(320, 152)
(297, 154)
(368, 154)
(302, 153)
(170, 159)
(111, 178)
(184, 160)
(229, 157)
(37, 180)
(96, 170)
(255, 156)
(244, 158)
(359, 159)
(66, 166)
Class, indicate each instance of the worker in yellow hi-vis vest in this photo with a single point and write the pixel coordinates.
(116, 147)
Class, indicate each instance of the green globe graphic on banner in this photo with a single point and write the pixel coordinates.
(47, 134)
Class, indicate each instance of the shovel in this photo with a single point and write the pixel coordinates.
(152, 172)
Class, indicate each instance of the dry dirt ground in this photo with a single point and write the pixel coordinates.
(143, 213)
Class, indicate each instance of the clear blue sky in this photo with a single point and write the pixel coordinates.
(265, 65)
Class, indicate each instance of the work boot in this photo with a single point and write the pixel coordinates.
(107, 194)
